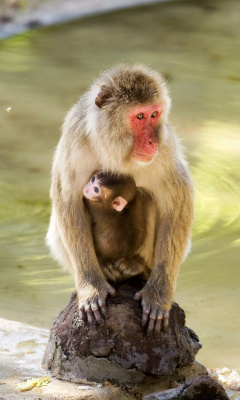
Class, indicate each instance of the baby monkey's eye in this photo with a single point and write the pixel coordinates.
(93, 179)
(140, 116)
(96, 190)
(154, 114)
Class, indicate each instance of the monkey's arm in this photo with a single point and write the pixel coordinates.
(172, 240)
(92, 288)
(72, 166)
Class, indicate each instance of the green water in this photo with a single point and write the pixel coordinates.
(42, 73)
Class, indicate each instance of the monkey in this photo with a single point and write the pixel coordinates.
(119, 216)
(121, 124)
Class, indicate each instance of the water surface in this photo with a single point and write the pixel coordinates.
(43, 73)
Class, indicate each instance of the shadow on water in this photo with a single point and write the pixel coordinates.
(196, 46)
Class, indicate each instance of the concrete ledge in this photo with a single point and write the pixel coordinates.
(44, 13)
(21, 351)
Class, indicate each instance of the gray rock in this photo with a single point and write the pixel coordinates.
(119, 351)
(199, 388)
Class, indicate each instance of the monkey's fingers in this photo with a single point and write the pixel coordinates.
(158, 324)
(137, 296)
(145, 308)
(99, 307)
(103, 308)
(90, 315)
(97, 314)
(161, 322)
(151, 322)
(112, 291)
(153, 317)
(82, 314)
(145, 314)
(110, 272)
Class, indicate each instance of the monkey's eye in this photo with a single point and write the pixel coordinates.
(154, 114)
(93, 179)
(96, 190)
(140, 116)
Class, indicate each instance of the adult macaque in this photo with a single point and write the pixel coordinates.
(119, 216)
(121, 125)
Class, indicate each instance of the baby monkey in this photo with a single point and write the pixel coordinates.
(119, 214)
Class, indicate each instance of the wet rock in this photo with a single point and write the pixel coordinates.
(119, 351)
(199, 388)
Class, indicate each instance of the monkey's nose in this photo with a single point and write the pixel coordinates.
(152, 146)
(85, 191)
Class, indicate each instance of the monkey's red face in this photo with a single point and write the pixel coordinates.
(143, 121)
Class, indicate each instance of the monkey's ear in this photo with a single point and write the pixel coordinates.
(103, 96)
(119, 203)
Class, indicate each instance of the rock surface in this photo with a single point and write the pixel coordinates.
(199, 388)
(119, 351)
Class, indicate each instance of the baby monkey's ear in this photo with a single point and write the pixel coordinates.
(119, 203)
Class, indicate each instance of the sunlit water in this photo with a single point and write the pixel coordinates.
(43, 73)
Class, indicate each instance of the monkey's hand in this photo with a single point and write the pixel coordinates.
(155, 314)
(92, 302)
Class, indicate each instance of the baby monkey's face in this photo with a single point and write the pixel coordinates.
(93, 190)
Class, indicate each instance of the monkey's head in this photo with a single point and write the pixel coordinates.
(131, 105)
(110, 191)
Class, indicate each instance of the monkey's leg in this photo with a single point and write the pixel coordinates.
(171, 243)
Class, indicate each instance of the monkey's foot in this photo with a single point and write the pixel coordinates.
(92, 303)
(129, 267)
(109, 271)
(124, 268)
(155, 317)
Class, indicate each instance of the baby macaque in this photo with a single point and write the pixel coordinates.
(119, 216)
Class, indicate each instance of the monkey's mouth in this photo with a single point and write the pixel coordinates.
(146, 158)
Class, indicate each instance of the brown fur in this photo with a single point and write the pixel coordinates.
(100, 138)
(117, 236)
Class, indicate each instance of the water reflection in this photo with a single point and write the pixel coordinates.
(44, 72)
